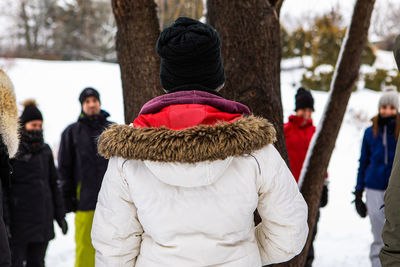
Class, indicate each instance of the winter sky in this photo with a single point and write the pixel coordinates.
(299, 9)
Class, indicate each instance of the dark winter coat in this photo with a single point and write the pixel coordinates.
(390, 254)
(298, 134)
(81, 167)
(34, 198)
(377, 154)
(5, 258)
(8, 148)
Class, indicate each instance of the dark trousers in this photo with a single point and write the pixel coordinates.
(28, 255)
(5, 257)
(310, 256)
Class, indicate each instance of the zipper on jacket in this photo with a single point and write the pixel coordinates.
(384, 141)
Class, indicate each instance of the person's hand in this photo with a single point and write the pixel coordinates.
(361, 208)
(63, 225)
(324, 196)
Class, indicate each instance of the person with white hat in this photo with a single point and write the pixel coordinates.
(377, 155)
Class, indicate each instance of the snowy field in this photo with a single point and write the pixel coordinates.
(343, 237)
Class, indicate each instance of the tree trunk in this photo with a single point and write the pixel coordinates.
(251, 51)
(138, 30)
(323, 142)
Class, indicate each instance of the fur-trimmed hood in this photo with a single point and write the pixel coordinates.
(8, 115)
(195, 144)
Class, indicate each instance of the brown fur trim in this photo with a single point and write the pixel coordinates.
(375, 126)
(8, 115)
(195, 144)
(29, 102)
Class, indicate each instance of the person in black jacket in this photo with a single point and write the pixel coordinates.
(8, 147)
(34, 198)
(82, 170)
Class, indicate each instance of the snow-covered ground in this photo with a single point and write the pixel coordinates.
(343, 238)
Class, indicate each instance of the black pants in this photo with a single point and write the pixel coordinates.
(5, 257)
(310, 256)
(32, 254)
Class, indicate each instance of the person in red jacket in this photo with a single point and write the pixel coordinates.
(298, 133)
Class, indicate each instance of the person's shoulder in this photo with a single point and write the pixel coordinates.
(109, 123)
(47, 150)
(368, 131)
(268, 154)
(70, 127)
(287, 127)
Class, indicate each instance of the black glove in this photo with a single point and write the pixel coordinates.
(324, 196)
(360, 205)
(63, 225)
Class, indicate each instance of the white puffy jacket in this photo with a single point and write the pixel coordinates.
(155, 209)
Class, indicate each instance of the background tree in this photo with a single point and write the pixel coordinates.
(286, 44)
(67, 30)
(34, 24)
(251, 51)
(385, 26)
(170, 10)
(323, 142)
(327, 35)
(301, 42)
(85, 29)
(138, 30)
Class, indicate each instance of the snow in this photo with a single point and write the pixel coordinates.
(324, 68)
(343, 237)
(385, 60)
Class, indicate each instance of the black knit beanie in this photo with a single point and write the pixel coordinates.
(31, 112)
(88, 92)
(304, 99)
(190, 56)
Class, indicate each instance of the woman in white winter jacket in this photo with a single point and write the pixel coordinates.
(184, 180)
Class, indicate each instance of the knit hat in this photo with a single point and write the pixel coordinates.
(304, 99)
(31, 112)
(389, 97)
(88, 92)
(190, 56)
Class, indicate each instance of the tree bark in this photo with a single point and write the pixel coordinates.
(138, 30)
(250, 34)
(323, 142)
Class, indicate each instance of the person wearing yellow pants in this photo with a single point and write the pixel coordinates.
(82, 169)
(84, 248)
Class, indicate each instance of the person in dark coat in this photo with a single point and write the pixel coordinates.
(8, 147)
(376, 160)
(390, 253)
(299, 131)
(82, 170)
(34, 198)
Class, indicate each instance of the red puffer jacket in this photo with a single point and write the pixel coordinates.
(298, 134)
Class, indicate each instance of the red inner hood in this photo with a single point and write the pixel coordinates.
(181, 116)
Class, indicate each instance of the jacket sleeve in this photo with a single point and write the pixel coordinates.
(283, 231)
(59, 210)
(390, 253)
(66, 170)
(364, 162)
(116, 230)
